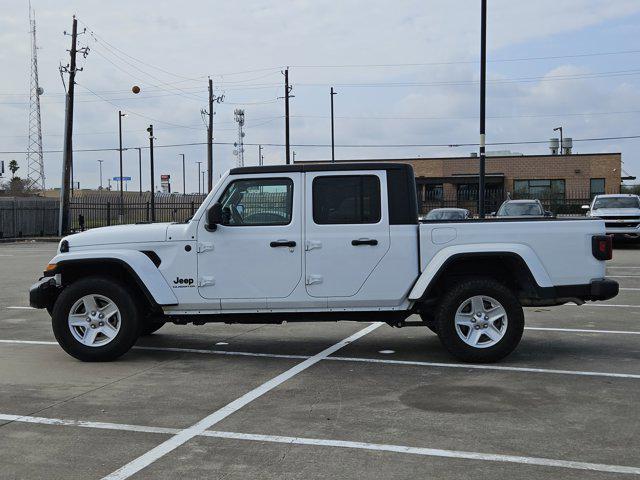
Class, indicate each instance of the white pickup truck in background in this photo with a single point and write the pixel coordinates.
(620, 212)
(320, 243)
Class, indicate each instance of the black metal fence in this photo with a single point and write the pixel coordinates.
(565, 204)
(28, 217)
(92, 212)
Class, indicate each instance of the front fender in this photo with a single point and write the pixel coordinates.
(438, 263)
(142, 269)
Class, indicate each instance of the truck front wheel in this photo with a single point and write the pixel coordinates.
(480, 320)
(95, 319)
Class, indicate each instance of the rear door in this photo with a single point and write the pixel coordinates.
(346, 230)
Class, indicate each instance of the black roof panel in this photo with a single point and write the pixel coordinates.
(320, 167)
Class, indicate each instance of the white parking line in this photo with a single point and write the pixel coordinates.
(474, 366)
(609, 305)
(368, 360)
(198, 428)
(583, 330)
(623, 276)
(630, 289)
(623, 267)
(21, 308)
(401, 449)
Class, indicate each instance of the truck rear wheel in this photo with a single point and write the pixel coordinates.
(480, 320)
(95, 319)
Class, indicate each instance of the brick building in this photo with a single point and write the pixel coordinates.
(569, 179)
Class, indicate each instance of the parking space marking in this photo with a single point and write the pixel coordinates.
(475, 366)
(606, 305)
(367, 360)
(583, 330)
(188, 433)
(402, 449)
(623, 276)
(630, 289)
(21, 308)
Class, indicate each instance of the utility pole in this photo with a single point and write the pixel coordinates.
(239, 151)
(260, 157)
(287, 90)
(209, 111)
(333, 146)
(140, 168)
(100, 164)
(203, 177)
(120, 115)
(199, 191)
(483, 87)
(293, 154)
(67, 155)
(209, 138)
(153, 191)
(184, 188)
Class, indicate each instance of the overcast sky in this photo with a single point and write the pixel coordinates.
(405, 71)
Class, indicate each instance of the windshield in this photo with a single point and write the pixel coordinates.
(520, 209)
(616, 202)
(446, 215)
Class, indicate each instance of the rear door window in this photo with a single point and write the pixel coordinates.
(346, 199)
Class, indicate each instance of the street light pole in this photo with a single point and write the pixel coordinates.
(184, 188)
(120, 115)
(199, 191)
(100, 164)
(483, 85)
(140, 167)
(153, 193)
(560, 129)
(333, 146)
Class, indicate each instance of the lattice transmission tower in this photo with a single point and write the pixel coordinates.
(239, 150)
(35, 161)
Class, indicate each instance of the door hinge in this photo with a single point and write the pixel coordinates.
(206, 282)
(311, 279)
(311, 244)
(204, 247)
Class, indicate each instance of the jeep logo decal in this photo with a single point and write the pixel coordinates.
(186, 282)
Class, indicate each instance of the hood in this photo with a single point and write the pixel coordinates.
(616, 212)
(141, 233)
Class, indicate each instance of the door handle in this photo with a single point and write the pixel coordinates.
(283, 243)
(364, 241)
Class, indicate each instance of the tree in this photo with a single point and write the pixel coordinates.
(13, 166)
(16, 187)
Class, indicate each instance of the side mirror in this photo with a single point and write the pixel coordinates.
(547, 213)
(214, 216)
(493, 214)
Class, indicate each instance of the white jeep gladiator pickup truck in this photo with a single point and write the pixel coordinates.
(320, 242)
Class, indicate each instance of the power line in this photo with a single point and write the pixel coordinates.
(324, 145)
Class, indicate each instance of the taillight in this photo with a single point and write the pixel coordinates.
(602, 247)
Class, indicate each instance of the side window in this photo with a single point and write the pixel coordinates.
(346, 199)
(258, 201)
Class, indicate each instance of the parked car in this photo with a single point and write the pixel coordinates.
(324, 243)
(522, 208)
(621, 213)
(447, 214)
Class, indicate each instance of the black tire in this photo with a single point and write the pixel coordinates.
(452, 300)
(430, 322)
(150, 327)
(129, 319)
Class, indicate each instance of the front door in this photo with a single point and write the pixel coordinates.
(347, 230)
(256, 254)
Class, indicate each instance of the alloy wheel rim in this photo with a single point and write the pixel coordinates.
(94, 320)
(481, 321)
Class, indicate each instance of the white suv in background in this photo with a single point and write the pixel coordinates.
(620, 212)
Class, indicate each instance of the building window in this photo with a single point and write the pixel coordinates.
(540, 189)
(346, 199)
(430, 192)
(596, 186)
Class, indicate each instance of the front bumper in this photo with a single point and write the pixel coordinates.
(43, 293)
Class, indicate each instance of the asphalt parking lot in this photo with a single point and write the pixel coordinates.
(335, 400)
